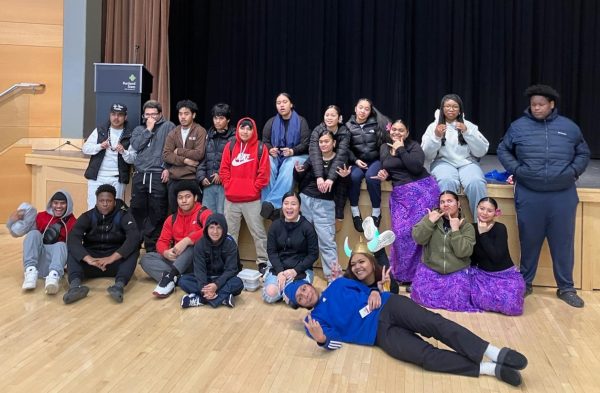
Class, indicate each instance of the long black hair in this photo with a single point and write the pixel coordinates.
(460, 118)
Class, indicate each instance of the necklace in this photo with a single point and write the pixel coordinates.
(110, 141)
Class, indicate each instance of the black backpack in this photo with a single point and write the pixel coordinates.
(200, 224)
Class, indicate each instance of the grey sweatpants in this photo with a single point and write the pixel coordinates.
(155, 264)
(44, 257)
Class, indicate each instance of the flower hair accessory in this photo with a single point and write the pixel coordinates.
(388, 127)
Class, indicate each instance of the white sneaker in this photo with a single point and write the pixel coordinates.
(31, 276)
(384, 239)
(52, 282)
(369, 228)
(165, 287)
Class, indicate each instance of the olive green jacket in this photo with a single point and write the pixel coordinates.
(444, 252)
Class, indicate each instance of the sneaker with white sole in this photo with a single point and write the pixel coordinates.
(166, 286)
(229, 302)
(191, 300)
(383, 240)
(52, 282)
(31, 276)
(369, 228)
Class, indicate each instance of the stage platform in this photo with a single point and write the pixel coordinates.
(51, 171)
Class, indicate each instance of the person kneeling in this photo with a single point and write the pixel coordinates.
(343, 313)
(216, 265)
(105, 242)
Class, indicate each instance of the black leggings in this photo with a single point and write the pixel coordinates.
(400, 321)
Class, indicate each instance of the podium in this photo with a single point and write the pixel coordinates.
(129, 84)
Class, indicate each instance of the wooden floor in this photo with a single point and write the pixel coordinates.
(147, 344)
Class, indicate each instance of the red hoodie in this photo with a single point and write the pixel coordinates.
(185, 225)
(243, 176)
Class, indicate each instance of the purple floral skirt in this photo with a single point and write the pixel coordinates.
(446, 291)
(408, 204)
(501, 291)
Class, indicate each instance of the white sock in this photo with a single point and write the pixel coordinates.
(355, 211)
(376, 212)
(487, 368)
(492, 352)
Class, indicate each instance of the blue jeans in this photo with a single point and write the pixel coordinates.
(233, 286)
(469, 176)
(271, 281)
(321, 213)
(213, 197)
(281, 180)
(373, 185)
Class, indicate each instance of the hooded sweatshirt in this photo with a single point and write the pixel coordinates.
(241, 172)
(453, 152)
(186, 225)
(220, 259)
(46, 219)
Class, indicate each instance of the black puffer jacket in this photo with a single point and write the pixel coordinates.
(365, 140)
(342, 147)
(215, 143)
(100, 236)
(219, 259)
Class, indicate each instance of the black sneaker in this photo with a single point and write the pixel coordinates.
(229, 301)
(571, 298)
(166, 286)
(508, 375)
(262, 268)
(528, 290)
(75, 293)
(511, 358)
(266, 210)
(275, 215)
(377, 220)
(357, 221)
(116, 292)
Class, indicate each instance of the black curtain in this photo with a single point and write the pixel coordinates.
(403, 54)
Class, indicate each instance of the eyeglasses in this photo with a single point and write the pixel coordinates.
(147, 115)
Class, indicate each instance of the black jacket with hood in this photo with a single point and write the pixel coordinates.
(220, 259)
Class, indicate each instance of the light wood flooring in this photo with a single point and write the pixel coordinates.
(152, 345)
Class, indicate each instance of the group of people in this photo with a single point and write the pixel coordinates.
(192, 187)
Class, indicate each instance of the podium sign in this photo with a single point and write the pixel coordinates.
(129, 84)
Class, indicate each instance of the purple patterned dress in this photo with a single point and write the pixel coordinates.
(502, 291)
(408, 204)
(446, 291)
(496, 284)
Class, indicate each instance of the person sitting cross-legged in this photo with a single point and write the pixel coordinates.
(216, 265)
(175, 244)
(105, 242)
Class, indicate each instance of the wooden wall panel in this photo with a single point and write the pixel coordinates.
(32, 64)
(32, 11)
(15, 178)
(31, 51)
(31, 34)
